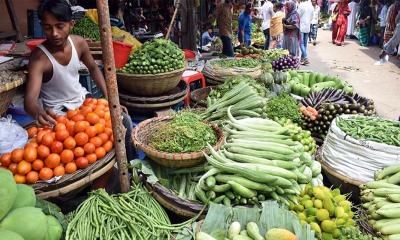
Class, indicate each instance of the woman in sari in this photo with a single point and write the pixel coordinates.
(291, 32)
(340, 27)
(364, 22)
(390, 21)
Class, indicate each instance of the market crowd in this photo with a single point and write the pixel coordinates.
(293, 24)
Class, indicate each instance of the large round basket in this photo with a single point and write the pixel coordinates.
(143, 131)
(344, 183)
(149, 84)
(198, 97)
(9, 88)
(71, 184)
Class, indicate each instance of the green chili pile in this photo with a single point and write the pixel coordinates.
(371, 129)
(184, 133)
(86, 28)
(132, 215)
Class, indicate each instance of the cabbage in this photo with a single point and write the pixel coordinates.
(25, 197)
(8, 235)
(29, 222)
(8, 192)
(54, 229)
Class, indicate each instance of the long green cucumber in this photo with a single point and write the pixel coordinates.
(250, 159)
(241, 190)
(263, 154)
(221, 188)
(264, 139)
(244, 182)
(263, 147)
(394, 197)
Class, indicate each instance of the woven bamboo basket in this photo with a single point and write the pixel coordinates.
(149, 84)
(8, 90)
(140, 137)
(198, 97)
(74, 183)
(344, 183)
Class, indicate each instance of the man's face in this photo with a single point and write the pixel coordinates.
(57, 32)
(314, 2)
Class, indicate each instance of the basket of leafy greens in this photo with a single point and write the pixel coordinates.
(177, 141)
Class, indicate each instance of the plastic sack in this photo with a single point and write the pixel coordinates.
(354, 158)
(12, 135)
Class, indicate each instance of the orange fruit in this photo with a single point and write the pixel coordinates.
(33, 140)
(109, 131)
(19, 179)
(52, 161)
(85, 110)
(100, 152)
(99, 127)
(40, 135)
(96, 141)
(5, 159)
(61, 119)
(45, 174)
(89, 148)
(32, 177)
(102, 101)
(61, 135)
(31, 144)
(37, 164)
(102, 121)
(70, 127)
(70, 167)
(17, 155)
(71, 113)
(78, 117)
(69, 143)
(67, 156)
(108, 124)
(81, 126)
(43, 151)
(60, 126)
(87, 101)
(92, 158)
(107, 115)
(81, 138)
(59, 171)
(103, 137)
(92, 118)
(32, 132)
(24, 167)
(108, 146)
(100, 113)
(82, 162)
(91, 131)
(79, 152)
(30, 154)
(13, 167)
(47, 139)
(56, 147)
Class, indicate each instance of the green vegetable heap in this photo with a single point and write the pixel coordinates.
(86, 28)
(220, 90)
(274, 54)
(241, 62)
(326, 210)
(157, 56)
(284, 106)
(372, 129)
(185, 133)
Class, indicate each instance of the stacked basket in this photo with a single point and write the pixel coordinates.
(9, 83)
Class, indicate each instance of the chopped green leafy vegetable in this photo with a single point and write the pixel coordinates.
(283, 106)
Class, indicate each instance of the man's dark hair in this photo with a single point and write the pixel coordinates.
(249, 6)
(61, 9)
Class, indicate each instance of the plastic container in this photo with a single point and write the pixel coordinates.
(189, 54)
(121, 53)
(32, 44)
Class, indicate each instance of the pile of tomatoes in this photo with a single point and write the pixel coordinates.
(77, 140)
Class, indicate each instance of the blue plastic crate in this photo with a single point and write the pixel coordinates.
(88, 83)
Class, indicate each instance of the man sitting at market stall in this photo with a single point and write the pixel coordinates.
(53, 85)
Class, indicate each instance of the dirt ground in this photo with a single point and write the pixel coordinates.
(355, 64)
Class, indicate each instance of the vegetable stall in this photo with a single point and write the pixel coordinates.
(276, 153)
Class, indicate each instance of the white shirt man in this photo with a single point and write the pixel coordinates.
(267, 12)
(306, 13)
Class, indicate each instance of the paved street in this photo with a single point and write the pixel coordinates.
(355, 64)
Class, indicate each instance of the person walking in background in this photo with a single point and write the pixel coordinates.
(390, 46)
(306, 11)
(276, 29)
(244, 29)
(364, 22)
(340, 27)
(391, 21)
(354, 8)
(291, 29)
(223, 16)
(267, 11)
(382, 20)
(314, 23)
